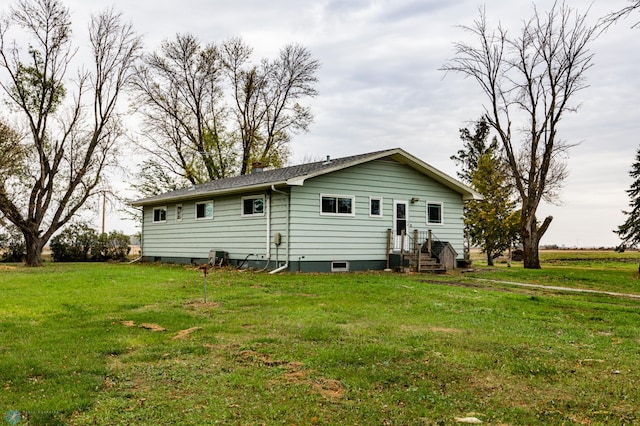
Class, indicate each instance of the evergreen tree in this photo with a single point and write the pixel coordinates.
(491, 223)
(629, 231)
(475, 145)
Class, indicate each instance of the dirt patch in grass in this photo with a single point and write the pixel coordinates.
(253, 357)
(109, 383)
(434, 329)
(146, 325)
(487, 384)
(295, 373)
(202, 305)
(152, 326)
(329, 388)
(183, 334)
(295, 376)
(446, 330)
(7, 268)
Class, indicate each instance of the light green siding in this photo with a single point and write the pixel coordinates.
(229, 230)
(314, 238)
(361, 237)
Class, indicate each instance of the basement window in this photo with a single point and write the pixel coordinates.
(339, 266)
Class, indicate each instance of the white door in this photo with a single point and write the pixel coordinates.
(400, 223)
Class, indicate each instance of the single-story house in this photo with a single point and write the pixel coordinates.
(343, 214)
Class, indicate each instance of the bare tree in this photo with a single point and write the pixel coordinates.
(181, 100)
(247, 82)
(530, 78)
(266, 97)
(70, 136)
(613, 17)
(209, 111)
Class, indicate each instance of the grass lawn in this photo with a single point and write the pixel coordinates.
(136, 344)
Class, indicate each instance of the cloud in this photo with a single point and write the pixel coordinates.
(380, 84)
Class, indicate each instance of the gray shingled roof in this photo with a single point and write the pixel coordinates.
(295, 175)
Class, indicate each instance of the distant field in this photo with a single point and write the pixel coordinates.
(573, 255)
(105, 344)
(558, 256)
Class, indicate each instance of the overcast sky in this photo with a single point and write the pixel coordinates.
(380, 85)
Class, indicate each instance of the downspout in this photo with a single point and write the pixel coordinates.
(268, 201)
(286, 265)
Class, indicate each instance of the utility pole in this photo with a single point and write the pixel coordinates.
(104, 204)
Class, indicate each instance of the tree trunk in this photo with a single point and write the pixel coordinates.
(489, 258)
(34, 244)
(531, 235)
(530, 242)
(531, 256)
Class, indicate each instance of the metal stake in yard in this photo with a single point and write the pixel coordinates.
(205, 269)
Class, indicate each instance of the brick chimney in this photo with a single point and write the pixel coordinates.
(257, 167)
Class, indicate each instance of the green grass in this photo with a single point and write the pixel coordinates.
(316, 349)
(587, 269)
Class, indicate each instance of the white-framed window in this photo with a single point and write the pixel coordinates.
(253, 205)
(435, 213)
(159, 214)
(204, 210)
(375, 206)
(337, 205)
(178, 212)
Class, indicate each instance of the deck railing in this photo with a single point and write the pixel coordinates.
(422, 240)
(416, 244)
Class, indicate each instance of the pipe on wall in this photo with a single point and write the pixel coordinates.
(280, 269)
(286, 265)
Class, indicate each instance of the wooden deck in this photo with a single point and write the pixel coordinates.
(424, 253)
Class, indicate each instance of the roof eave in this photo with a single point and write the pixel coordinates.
(474, 196)
(202, 194)
(397, 154)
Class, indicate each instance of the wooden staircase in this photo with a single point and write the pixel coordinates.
(419, 253)
(424, 262)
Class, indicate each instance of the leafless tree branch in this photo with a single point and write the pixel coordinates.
(532, 77)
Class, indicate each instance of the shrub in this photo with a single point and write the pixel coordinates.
(12, 246)
(81, 243)
(75, 244)
(112, 246)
